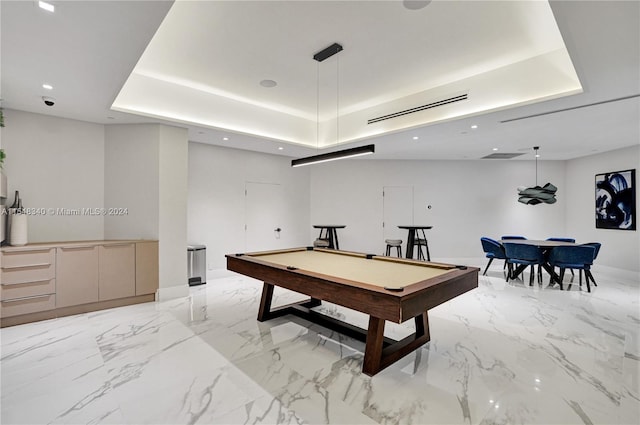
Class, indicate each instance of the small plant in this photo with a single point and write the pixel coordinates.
(1, 118)
(2, 157)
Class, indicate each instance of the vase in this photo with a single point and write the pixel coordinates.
(18, 236)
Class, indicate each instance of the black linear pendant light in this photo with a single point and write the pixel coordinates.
(342, 154)
(537, 195)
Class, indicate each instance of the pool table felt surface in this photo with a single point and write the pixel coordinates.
(378, 271)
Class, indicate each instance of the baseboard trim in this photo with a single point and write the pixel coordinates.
(72, 310)
(173, 292)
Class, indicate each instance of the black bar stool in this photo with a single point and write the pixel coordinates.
(420, 242)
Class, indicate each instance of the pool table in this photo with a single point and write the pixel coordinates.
(385, 288)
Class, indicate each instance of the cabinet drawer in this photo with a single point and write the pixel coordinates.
(27, 289)
(15, 259)
(34, 273)
(34, 265)
(27, 305)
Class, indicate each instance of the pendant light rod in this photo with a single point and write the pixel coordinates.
(535, 149)
(345, 153)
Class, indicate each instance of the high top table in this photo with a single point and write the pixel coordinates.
(332, 234)
(413, 234)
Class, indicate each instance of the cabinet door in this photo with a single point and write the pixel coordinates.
(147, 277)
(76, 275)
(117, 271)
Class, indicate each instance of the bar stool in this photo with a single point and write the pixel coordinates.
(393, 243)
(419, 244)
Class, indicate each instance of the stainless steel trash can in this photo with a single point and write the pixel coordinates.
(197, 264)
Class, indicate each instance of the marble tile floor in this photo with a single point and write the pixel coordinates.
(506, 353)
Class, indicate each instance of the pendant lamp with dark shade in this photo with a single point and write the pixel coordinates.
(537, 195)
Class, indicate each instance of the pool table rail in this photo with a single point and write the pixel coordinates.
(371, 299)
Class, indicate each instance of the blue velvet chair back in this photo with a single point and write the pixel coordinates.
(596, 246)
(492, 248)
(572, 257)
(506, 237)
(524, 253)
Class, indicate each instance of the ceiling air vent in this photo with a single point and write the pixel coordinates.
(502, 155)
(419, 108)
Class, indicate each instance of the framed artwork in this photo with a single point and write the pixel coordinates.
(616, 200)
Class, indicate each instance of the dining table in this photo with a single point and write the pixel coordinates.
(544, 245)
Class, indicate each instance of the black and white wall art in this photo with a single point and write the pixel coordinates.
(616, 200)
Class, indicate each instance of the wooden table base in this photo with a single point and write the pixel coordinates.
(380, 351)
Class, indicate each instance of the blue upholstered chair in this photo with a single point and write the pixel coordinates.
(525, 255)
(571, 240)
(507, 237)
(596, 246)
(493, 249)
(573, 257)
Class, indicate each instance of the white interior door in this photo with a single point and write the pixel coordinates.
(264, 213)
(397, 210)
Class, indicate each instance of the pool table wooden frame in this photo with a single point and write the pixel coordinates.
(380, 304)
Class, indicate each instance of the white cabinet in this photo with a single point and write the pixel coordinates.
(41, 281)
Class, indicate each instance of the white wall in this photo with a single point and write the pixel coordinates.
(62, 163)
(146, 172)
(216, 205)
(172, 207)
(55, 163)
(469, 199)
(131, 180)
(620, 248)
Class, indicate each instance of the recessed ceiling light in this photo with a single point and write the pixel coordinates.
(46, 6)
(495, 149)
(280, 148)
(225, 138)
(47, 86)
(474, 126)
(268, 83)
(415, 137)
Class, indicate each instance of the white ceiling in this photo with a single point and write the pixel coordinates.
(219, 51)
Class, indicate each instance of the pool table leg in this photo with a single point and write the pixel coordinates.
(378, 357)
(266, 313)
(265, 302)
(373, 348)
